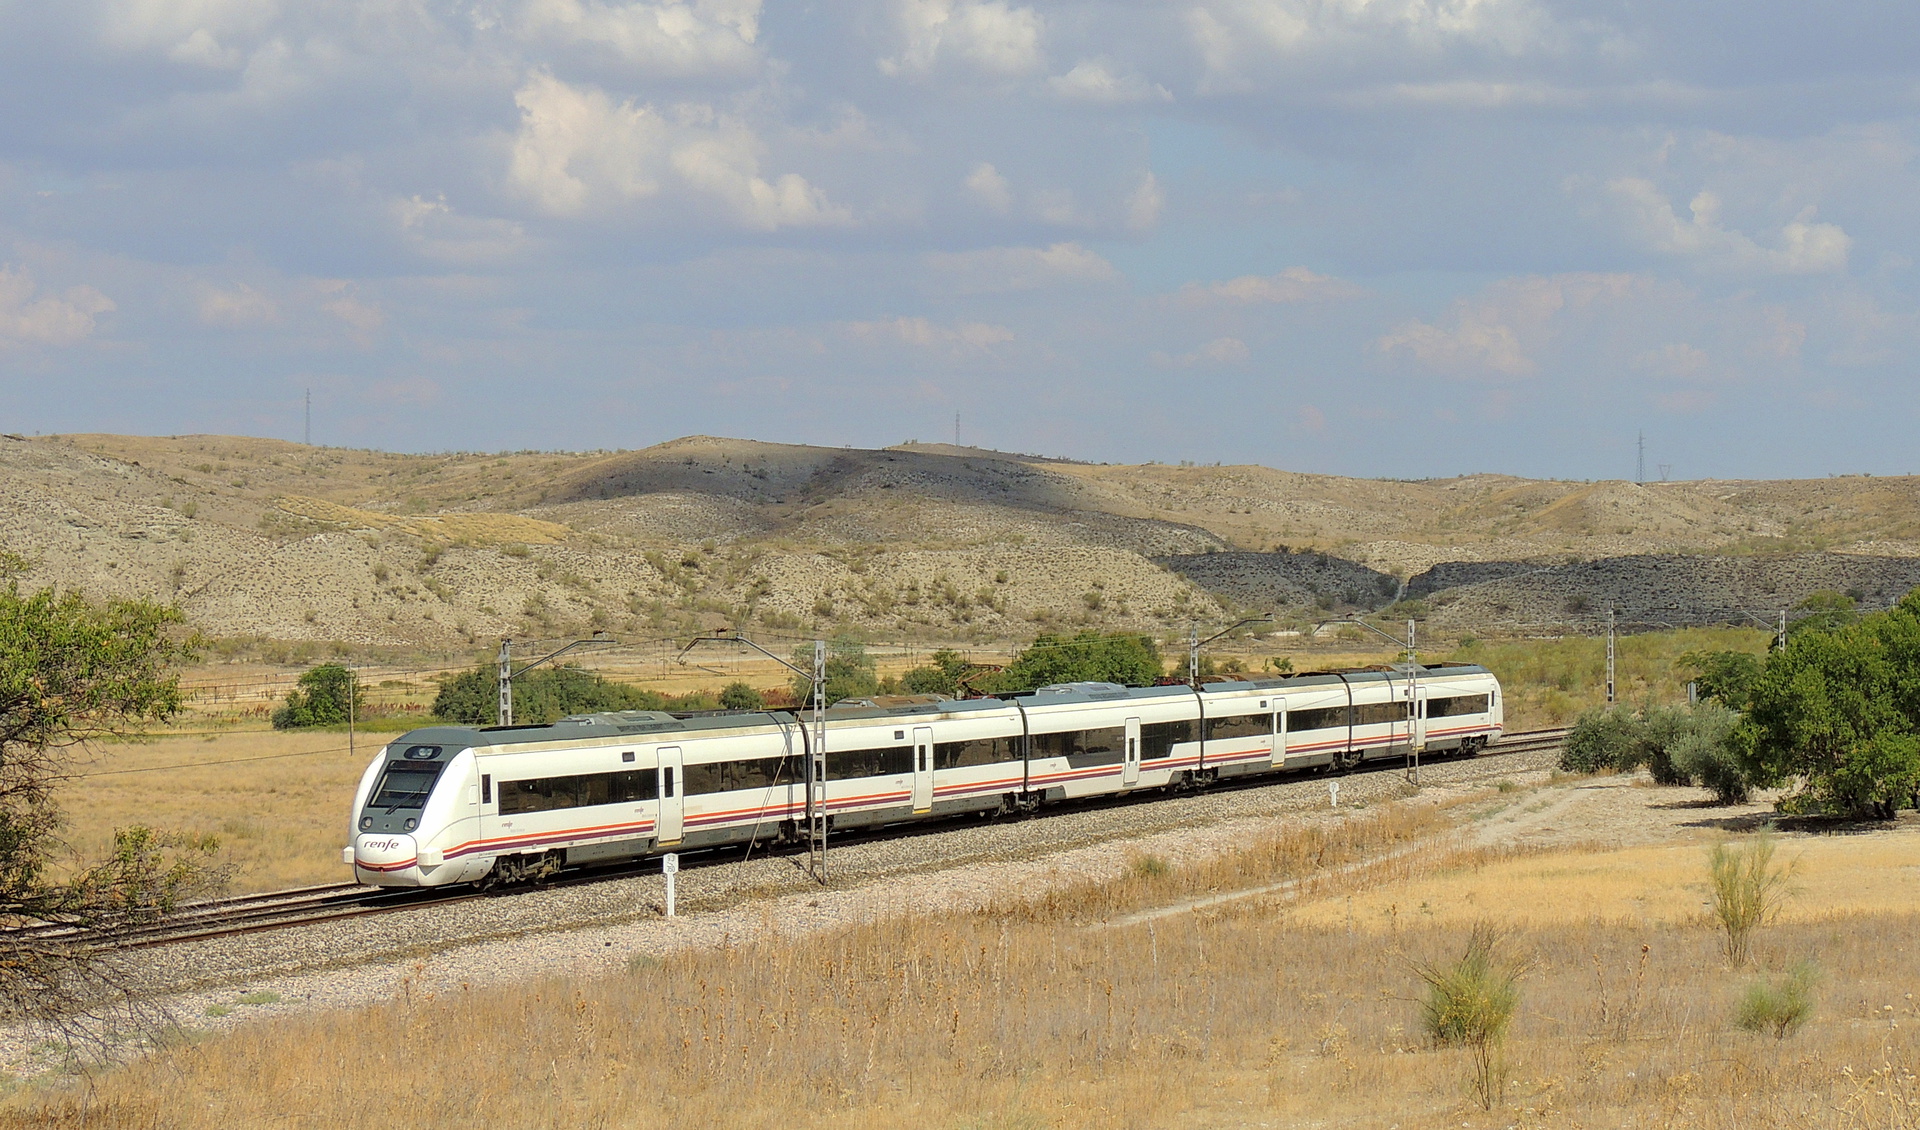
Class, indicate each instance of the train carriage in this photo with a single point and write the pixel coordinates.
(455, 804)
(1084, 739)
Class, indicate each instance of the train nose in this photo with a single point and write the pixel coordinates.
(384, 854)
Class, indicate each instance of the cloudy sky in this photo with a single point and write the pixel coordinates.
(1375, 237)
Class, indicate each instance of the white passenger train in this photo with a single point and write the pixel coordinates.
(458, 804)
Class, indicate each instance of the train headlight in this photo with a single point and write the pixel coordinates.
(366, 822)
(411, 824)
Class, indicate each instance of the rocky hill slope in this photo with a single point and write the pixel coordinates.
(259, 538)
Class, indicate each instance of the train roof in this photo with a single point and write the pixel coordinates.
(1346, 675)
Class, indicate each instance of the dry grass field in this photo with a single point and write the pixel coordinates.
(1042, 1012)
(277, 801)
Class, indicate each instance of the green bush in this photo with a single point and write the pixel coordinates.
(940, 675)
(849, 671)
(1119, 657)
(1601, 739)
(544, 694)
(322, 698)
(1470, 1003)
(1778, 1006)
(1746, 891)
(740, 696)
(1705, 753)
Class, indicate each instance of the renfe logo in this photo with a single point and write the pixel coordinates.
(380, 845)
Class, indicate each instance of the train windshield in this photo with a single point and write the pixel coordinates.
(405, 786)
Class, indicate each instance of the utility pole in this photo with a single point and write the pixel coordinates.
(508, 674)
(1783, 630)
(505, 714)
(956, 429)
(306, 432)
(1193, 653)
(1609, 655)
(1640, 464)
(817, 769)
(816, 759)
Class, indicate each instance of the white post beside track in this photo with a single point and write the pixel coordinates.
(670, 866)
(1333, 794)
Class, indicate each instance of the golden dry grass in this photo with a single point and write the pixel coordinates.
(278, 801)
(1026, 1016)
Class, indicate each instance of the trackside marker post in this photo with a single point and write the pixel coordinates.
(670, 866)
(1333, 794)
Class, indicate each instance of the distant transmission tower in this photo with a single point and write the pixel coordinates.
(956, 429)
(306, 430)
(1640, 464)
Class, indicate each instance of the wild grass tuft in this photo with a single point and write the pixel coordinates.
(1747, 891)
(1778, 1006)
(1470, 1003)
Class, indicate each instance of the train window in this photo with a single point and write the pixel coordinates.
(1456, 705)
(543, 794)
(667, 788)
(1093, 747)
(1240, 726)
(1157, 739)
(886, 762)
(979, 751)
(1379, 713)
(1325, 718)
(627, 756)
(404, 786)
(727, 776)
(486, 788)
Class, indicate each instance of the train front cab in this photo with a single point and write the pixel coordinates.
(414, 800)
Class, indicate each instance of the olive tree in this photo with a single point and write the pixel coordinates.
(74, 671)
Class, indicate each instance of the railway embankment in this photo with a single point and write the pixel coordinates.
(601, 924)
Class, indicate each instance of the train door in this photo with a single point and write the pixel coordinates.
(672, 793)
(923, 768)
(1279, 733)
(1130, 761)
(1417, 725)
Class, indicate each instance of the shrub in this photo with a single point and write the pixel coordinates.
(740, 696)
(1705, 752)
(1603, 738)
(327, 694)
(1778, 1006)
(1470, 1003)
(1747, 891)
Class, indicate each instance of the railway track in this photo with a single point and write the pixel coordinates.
(301, 906)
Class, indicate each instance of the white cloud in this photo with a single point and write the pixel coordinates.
(1805, 247)
(579, 151)
(1219, 351)
(28, 317)
(705, 37)
(360, 318)
(1236, 37)
(990, 188)
(435, 230)
(1499, 332)
(1019, 268)
(1295, 284)
(989, 36)
(1674, 359)
(925, 334)
(237, 307)
(1144, 204)
(200, 33)
(1094, 80)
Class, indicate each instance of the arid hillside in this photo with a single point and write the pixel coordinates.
(271, 540)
